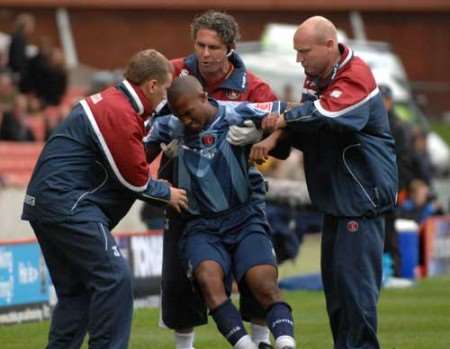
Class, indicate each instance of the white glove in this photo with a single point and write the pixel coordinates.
(246, 134)
(171, 149)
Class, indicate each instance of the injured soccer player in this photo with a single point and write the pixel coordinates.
(224, 237)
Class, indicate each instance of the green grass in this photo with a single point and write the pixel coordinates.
(442, 129)
(414, 318)
(308, 260)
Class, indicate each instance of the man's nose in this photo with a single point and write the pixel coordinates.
(205, 52)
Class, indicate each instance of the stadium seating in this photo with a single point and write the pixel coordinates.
(17, 161)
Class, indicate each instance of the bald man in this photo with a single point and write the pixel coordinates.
(349, 158)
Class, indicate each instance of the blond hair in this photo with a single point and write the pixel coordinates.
(148, 65)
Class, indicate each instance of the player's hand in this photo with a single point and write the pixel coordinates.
(178, 199)
(260, 151)
(245, 134)
(269, 123)
(171, 149)
(272, 122)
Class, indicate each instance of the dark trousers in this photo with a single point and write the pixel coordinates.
(352, 251)
(182, 306)
(92, 283)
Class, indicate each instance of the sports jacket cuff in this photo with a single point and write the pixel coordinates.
(156, 193)
(300, 113)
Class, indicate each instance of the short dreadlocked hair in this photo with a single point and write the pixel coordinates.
(222, 23)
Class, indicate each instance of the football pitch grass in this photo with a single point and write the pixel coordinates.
(412, 318)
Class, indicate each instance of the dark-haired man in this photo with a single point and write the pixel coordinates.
(223, 76)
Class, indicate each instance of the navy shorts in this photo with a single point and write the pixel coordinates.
(237, 241)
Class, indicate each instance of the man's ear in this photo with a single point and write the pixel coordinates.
(330, 43)
(150, 86)
(204, 96)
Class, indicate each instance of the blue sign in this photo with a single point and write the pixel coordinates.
(23, 275)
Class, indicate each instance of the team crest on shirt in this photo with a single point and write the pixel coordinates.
(208, 139)
(233, 95)
(352, 226)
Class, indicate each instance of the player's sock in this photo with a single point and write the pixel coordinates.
(281, 324)
(260, 333)
(229, 322)
(245, 343)
(284, 342)
(184, 340)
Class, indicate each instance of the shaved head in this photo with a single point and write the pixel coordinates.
(189, 103)
(321, 28)
(183, 86)
(316, 44)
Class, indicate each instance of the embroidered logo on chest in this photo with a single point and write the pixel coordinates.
(208, 139)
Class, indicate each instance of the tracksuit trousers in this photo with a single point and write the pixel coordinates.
(352, 251)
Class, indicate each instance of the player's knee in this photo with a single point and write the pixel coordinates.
(267, 292)
(211, 286)
(207, 279)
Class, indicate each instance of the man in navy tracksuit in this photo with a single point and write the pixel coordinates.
(224, 76)
(87, 177)
(343, 130)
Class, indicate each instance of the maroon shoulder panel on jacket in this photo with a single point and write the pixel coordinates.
(120, 131)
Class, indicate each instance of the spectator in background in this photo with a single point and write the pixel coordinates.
(285, 220)
(421, 162)
(3, 59)
(419, 206)
(52, 88)
(404, 152)
(46, 75)
(7, 91)
(35, 68)
(18, 60)
(403, 136)
(14, 125)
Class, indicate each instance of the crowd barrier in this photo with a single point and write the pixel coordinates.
(26, 291)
